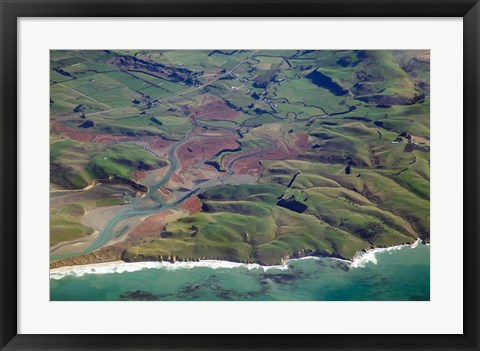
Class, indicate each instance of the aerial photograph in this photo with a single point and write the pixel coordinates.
(239, 175)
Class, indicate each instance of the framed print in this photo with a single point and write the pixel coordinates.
(271, 182)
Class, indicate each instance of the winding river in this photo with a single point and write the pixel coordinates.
(139, 207)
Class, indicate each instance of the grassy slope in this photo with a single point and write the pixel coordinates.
(384, 201)
(244, 223)
(75, 165)
(66, 223)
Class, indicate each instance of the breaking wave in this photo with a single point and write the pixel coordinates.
(370, 256)
(124, 267)
(359, 261)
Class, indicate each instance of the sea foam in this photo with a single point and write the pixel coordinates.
(370, 256)
(124, 267)
(359, 261)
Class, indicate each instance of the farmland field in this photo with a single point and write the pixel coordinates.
(246, 156)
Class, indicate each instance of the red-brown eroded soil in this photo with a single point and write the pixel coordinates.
(175, 178)
(198, 150)
(301, 140)
(156, 143)
(139, 175)
(160, 143)
(81, 136)
(248, 165)
(151, 226)
(164, 191)
(214, 109)
(192, 205)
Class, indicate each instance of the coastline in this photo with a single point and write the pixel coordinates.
(363, 257)
(118, 266)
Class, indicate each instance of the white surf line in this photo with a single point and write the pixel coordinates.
(88, 97)
(359, 261)
(123, 267)
(369, 256)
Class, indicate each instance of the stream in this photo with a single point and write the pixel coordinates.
(137, 207)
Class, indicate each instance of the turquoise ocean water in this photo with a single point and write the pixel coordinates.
(401, 274)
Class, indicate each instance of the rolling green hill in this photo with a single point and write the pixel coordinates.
(290, 152)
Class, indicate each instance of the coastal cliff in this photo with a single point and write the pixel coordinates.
(113, 253)
(106, 254)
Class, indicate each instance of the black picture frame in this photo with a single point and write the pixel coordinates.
(12, 10)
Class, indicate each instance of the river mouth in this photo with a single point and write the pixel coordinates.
(277, 125)
(116, 222)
